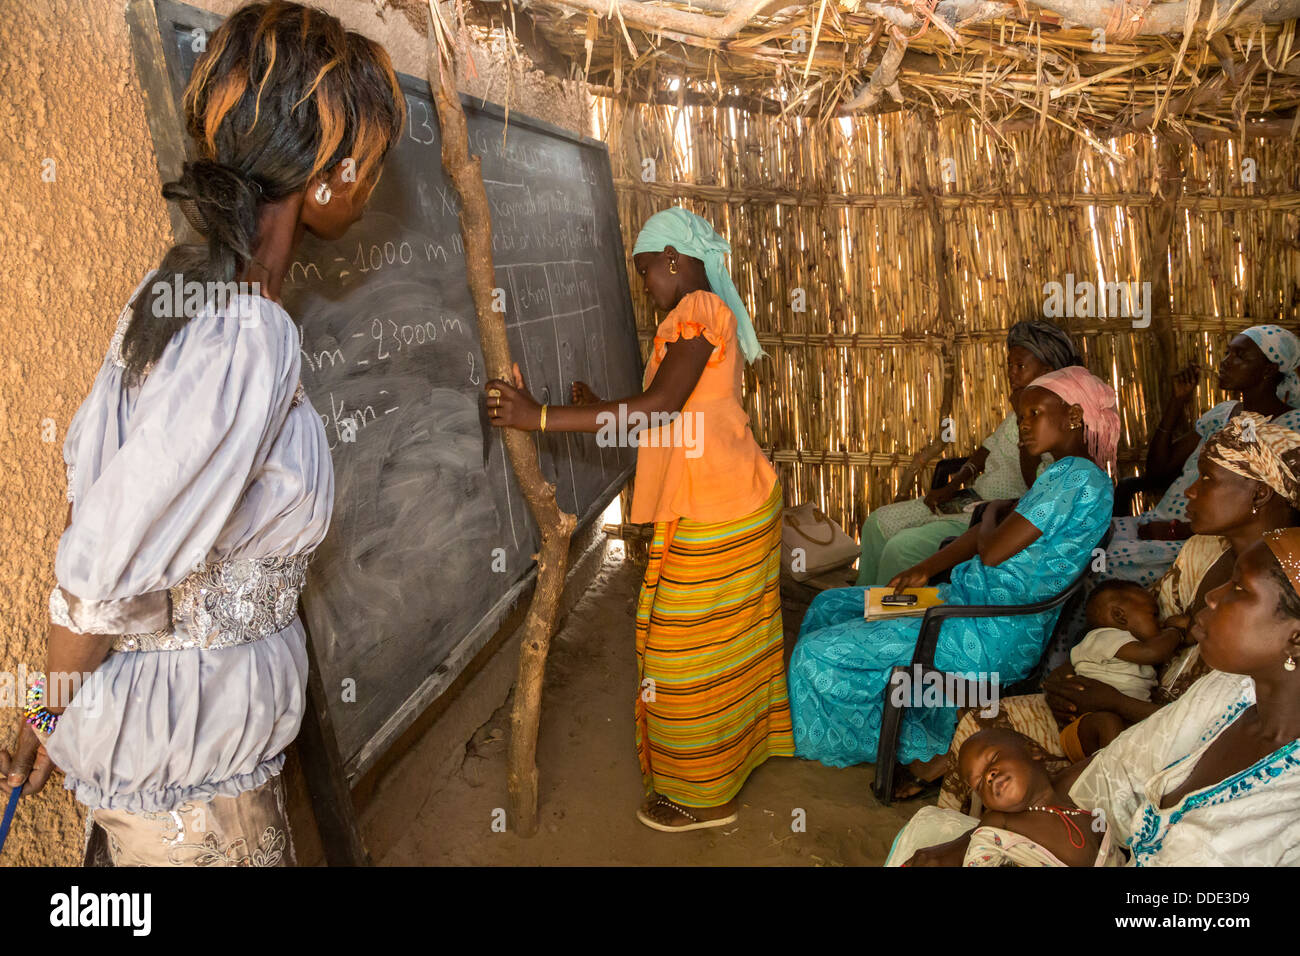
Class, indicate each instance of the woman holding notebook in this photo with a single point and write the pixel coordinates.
(842, 662)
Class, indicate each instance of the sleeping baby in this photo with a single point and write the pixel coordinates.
(1126, 640)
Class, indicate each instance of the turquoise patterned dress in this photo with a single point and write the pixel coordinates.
(842, 662)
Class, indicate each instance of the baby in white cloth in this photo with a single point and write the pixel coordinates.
(1126, 639)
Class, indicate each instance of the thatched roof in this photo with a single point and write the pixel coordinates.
(915, 245)
(1207, 70)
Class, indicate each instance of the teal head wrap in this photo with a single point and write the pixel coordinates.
(692, 236)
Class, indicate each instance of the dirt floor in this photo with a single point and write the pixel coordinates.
(591, 785)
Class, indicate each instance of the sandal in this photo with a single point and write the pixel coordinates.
(924, 788)
(695, 824)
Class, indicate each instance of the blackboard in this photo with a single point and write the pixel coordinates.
(431, 543)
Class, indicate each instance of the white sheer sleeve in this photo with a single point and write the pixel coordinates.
(157, 469)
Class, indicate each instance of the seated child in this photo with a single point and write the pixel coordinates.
(1026, 820)
(1126, 640)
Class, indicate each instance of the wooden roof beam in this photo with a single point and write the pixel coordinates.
(751, 103)
(659, 19)
(1169, 18)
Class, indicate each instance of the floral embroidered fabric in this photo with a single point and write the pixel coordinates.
(228, 603)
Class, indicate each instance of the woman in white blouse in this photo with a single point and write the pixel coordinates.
(1212, 779)
(198, 473)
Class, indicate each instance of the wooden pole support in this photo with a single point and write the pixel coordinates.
(556, 526)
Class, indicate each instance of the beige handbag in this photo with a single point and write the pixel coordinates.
(812, 544)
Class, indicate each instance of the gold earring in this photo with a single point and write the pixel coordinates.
(323, 194)
(672, 267)
(1290, 663)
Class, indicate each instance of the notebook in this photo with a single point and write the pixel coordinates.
(874, 610)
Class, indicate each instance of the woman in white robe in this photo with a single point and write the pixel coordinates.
(1212, 779)
(199, 475)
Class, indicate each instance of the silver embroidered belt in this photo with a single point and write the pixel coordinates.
(226, 604)
(222, 604)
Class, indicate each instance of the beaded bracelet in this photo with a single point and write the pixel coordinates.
(40, 719)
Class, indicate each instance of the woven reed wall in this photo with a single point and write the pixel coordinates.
(853, 387)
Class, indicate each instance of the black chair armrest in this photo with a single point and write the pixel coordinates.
(891, 714)
(931, 623)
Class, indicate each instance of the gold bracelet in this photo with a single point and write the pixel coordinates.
(542, 426)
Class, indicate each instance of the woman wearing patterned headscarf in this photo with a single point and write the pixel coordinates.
(899, 535)
(711, 703)
(1047, 342)
(841, 663)
(1260, 364)
(1212, 779)
(1244, 490)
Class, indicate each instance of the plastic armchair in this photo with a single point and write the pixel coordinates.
(891, 717)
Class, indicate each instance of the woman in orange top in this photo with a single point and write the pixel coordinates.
(712, 699)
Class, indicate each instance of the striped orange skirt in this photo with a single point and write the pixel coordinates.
(711, 704)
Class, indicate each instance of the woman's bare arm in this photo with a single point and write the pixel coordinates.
(1166, 452)
(69, 657)
(676, 378)
(994, 539)
(70, 653)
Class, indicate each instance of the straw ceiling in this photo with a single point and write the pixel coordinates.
(1200, 68)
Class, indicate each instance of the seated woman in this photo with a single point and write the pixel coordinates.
(1245, 489)
(1260, 364)
(1213, 779)
(899, 535)
(841, 662)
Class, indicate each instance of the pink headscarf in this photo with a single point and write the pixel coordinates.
(1075, 385)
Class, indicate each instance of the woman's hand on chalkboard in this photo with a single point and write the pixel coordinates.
(510, 406)
(583, 394)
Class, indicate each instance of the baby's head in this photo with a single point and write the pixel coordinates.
(1125, 605)
(1001, 766)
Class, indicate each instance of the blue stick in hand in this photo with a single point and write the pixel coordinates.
(9, 814)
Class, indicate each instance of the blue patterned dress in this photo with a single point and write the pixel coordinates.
(842, 662)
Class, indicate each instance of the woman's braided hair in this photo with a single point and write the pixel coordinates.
(282, 93)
